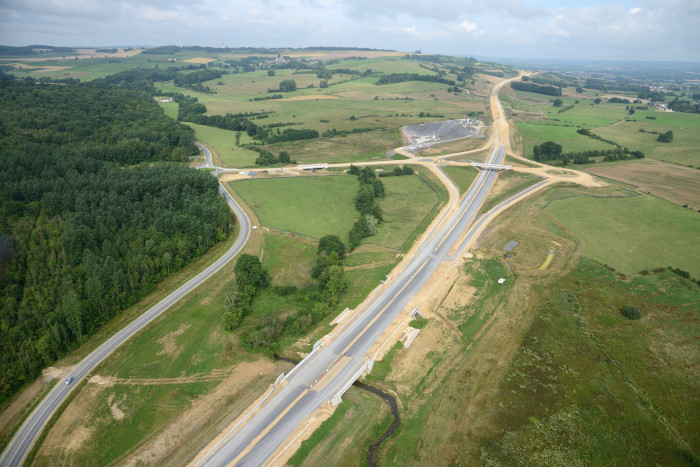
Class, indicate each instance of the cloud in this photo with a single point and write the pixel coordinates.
(644, 29)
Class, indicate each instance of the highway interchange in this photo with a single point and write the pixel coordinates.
(340, 359)
(334, 363)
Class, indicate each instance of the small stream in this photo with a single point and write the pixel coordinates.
(386, 397)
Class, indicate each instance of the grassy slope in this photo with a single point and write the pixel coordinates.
(508, 183)
(360, 417)
(462, 176)
(224, 141)
(635, 233)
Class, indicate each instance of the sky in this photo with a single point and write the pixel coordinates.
(578, 29)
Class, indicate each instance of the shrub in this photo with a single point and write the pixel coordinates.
(631, 312)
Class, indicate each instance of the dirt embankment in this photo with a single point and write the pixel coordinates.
(182, 436)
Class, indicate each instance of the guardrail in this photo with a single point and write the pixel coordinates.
(366, 367)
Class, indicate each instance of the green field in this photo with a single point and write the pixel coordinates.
(634, 233)
(318, 206)
(312, 206)
(610, 121)
(684, 149)
(224, 143)
(462, 176)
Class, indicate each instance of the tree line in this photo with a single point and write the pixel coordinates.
(92, 212)
(393, 78)
(371, 188)
(551, 151)
(539, 89)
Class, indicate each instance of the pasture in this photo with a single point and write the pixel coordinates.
(539, 121)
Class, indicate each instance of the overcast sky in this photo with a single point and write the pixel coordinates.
(586, 29)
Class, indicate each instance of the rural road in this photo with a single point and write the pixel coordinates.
(318, 378)
(21, 443)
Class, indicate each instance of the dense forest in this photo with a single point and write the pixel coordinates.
(91, 212)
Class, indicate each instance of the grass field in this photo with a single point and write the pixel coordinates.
(555, 360)
(672, 182)
(312, 206)
(224, 143)
(539, 121)
(684, 149)
(462, 176)
(581, 361)
(634, 233)
(318, 206)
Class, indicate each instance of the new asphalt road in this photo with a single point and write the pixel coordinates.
(320, 377)
(24, 438)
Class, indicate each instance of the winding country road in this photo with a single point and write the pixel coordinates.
(22, 442)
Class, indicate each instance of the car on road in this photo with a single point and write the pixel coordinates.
(69, 380)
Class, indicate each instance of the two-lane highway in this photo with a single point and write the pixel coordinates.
(21, 443)
(321, 376)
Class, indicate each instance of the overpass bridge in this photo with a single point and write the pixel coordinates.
(480, 165)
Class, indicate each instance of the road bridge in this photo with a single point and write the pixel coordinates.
(481, 165)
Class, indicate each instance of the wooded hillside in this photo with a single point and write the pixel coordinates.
(89, 232)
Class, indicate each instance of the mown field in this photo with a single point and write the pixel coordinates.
(318, 206)
(632, 233)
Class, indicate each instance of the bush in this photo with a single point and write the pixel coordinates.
(631, 312)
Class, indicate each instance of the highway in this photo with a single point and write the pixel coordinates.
(21, 443)
(319, 377)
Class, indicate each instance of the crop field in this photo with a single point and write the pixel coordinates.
(632, 233)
